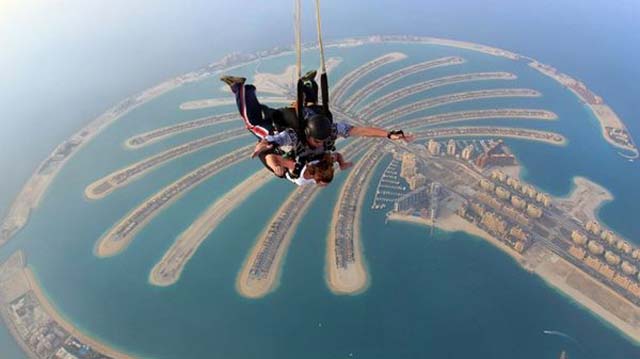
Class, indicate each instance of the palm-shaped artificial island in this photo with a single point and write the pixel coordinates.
(459, 174)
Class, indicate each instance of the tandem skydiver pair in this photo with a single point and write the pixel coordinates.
(298, 142)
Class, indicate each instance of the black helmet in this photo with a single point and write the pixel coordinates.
(318, 127)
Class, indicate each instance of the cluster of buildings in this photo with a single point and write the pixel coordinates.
(278, 229)
(348, 202)
(43, 336)
(524, 194)
(605, 253)
(482, 153)
(34, 327)
(410, 172)
(513, 235)
(506, 207)
(576, 86)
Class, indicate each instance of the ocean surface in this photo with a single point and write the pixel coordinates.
(447, 295)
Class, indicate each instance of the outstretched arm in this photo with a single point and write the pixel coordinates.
(359, 131)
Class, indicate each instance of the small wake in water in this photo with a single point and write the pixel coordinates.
(560, 334)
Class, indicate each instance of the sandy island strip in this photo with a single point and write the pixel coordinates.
(109, 183)
(64, 323)
(352, 77)
(109, 244)
(354, 279)
(379, 103)
(215, 102)
(585, 199)
(605, 303)
(448, 99)
(608, 118)
(296, 205)
(551, 138)
(461, 116)
(168, 270)
(555, 271)
(162, 133)
(398, 75)
(252, 287)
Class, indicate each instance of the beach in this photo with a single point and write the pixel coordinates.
(585, 199)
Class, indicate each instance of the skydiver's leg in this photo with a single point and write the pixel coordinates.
(249, 107)
(310, 91)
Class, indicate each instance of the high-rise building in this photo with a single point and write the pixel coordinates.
(413, 200)
(433, 147)
(408, 167)
(451, 147)
(467, 153)
(417, 181)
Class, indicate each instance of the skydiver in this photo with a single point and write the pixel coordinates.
(280, 129)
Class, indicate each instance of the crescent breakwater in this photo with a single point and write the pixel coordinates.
(262, 268)
(163, 133)
(506, 113)
(346, 272)
(35, 187)
(168, 270)
(384, 101)
(373, 86)
(106, 185)
(123, 232)
(613, 129)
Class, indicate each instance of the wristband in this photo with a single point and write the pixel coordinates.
(395, 132)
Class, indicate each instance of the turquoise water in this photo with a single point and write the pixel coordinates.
(450, 295)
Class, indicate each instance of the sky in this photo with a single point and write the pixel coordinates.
(64, 62)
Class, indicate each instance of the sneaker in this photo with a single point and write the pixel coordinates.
(232, 80)
(311, 75)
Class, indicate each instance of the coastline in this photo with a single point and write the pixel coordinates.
(63, 322)
(585, 199)
(453, 223)
(557, 273)
(567, 279)
(19, 282)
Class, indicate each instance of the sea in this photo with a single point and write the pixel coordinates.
(441, 295)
